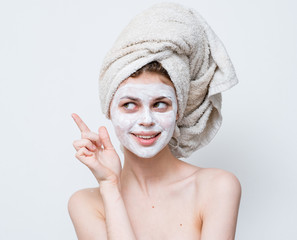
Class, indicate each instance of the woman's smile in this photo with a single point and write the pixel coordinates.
(146, 139)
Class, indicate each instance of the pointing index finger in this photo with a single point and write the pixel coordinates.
(81, 125)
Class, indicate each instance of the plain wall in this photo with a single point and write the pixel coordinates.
(50, 56)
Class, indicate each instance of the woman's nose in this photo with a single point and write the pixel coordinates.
(146, 119)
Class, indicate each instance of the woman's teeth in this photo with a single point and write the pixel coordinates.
(146, 137)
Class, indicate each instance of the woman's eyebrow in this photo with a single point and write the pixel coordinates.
(131, 98)
(162, 97)
(137, 99)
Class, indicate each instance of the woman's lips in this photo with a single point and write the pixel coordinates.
(147, 138)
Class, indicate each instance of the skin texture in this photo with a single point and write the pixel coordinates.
(158, 197)
(139, 110)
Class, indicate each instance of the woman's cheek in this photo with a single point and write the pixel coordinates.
(166, 120)
(124, 122)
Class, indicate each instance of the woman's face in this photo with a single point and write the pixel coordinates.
(143, 112)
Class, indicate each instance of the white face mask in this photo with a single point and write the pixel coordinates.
(144, 117)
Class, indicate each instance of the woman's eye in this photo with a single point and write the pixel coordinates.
(129, 106)
(160, 105)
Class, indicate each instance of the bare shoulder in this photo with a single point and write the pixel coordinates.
(218, 187)
(217, 176)
(216, 180)
(86, 200)
(212, 177)
(219, 194)
(86, 211)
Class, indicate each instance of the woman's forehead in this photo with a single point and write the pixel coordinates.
(147, 84)
(148, 78)
(145, 90)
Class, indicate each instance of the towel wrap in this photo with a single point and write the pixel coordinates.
(195, 59)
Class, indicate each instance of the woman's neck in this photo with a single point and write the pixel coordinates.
(147, 173)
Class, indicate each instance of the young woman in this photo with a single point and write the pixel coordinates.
(155, 195)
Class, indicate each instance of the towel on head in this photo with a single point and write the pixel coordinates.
(195, 59)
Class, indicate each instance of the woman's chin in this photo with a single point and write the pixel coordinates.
(146, 153)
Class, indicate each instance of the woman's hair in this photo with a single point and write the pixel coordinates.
(154, 67)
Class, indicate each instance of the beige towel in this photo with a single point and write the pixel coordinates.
(195, 58)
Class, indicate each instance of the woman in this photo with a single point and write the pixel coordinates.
(165, 109)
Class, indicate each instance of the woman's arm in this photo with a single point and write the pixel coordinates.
(221, 208)
(118, 224)
(97, 153)
(87, 214)
(98, 215)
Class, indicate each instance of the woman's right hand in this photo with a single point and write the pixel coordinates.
(97, 153)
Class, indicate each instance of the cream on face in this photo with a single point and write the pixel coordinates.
(144, 117)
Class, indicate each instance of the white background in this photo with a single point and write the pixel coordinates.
(50, 56)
